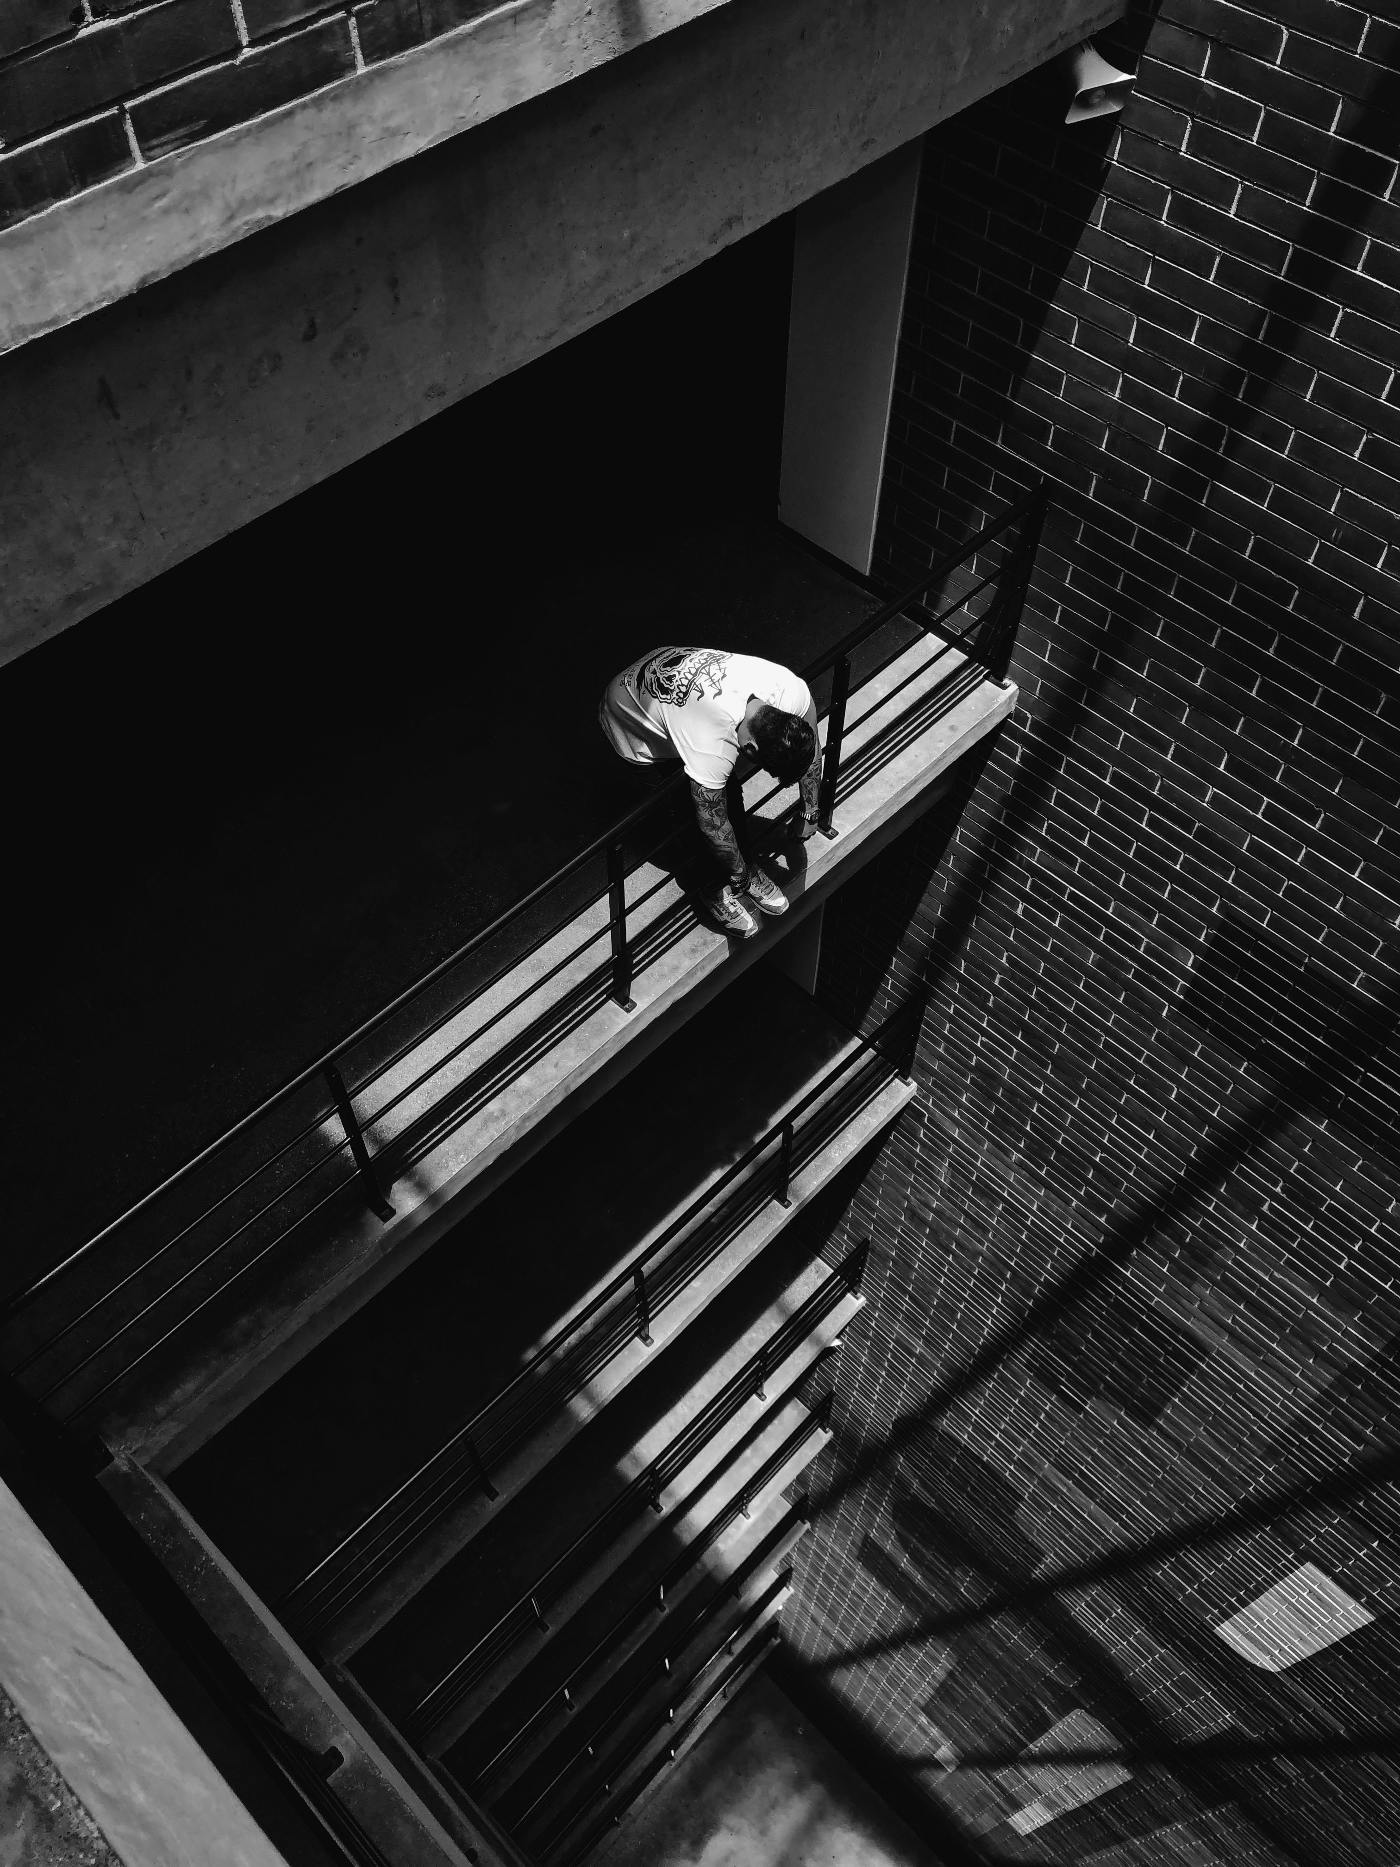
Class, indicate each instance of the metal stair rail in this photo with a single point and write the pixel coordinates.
(622, 1312)
(528, 1612)
(653, 1601)
(613, 1765)
(728, 1679)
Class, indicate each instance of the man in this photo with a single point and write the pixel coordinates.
(723, 716)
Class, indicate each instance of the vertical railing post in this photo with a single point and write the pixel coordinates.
(761, 1384)
(831, 757)
(483, 1477)
(643, 1307)
(1004, 616)
(783, 1195)
(617, 926)
(918, 1005)
(378, 1204)
(853, 1268)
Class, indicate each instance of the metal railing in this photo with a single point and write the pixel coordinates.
(543, 1836)
(479, 1770)
(95, 1318)
(617, 1803)
(530, 1610)
(660, 1668)
(623, 1311)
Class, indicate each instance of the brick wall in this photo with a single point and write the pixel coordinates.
(1129, 1358)
(89, 88)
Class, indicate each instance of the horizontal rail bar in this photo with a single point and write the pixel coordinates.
(619, 1285)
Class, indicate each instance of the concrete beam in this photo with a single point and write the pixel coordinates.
(154, 1796)
(140, 435)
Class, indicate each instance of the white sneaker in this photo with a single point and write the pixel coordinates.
(732, 915)
(765, 893)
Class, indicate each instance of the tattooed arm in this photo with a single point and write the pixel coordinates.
(712, 815)
(810, 782)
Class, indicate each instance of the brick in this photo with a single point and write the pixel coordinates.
(389, 26)
(1232, 25)
(1281, 298)
(1271, 87)
(1338, 24)
(1154, 121)
(1373, 340)
(1101, 249)
(1137, 191)
(1185, 50)
(62, 165)
(26, 23)
(1228, 234)
(1227, 110)
(1381, 42)
(1183, 175)
(110, 62)
(263, 17)
(1328, 65)
(1333, 160)
(259, 82)
(1270, 169)
(1341, 358)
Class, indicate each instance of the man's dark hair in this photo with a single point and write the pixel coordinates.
(784, 743)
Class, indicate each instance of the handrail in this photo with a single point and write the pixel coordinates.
(611, 1702)
(527, 1610)
(637, 1612)
(306, 1597)
(998, 623)
(741, 1663)
(612, 1763)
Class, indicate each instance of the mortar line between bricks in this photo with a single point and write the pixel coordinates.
(132, 144)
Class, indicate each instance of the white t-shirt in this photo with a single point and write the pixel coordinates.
(690, 702)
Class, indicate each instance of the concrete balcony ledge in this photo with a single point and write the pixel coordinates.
(681, 965)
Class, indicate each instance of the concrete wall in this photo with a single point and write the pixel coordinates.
(1124, 1394)
(163, 422)
(131, 1783)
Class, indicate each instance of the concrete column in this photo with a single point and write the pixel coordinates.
(849, 267)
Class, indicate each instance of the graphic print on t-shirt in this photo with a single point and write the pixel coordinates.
(675, 675)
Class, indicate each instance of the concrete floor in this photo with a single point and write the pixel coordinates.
(762, 1789)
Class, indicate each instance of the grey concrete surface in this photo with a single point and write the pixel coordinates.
(42, 1823)
(127, 1760)
(137, 436)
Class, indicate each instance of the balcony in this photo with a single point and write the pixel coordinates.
(181, 1311)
